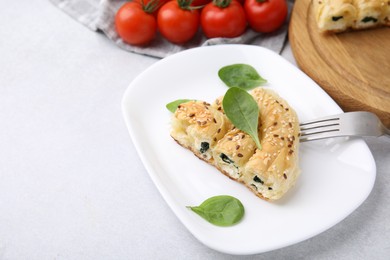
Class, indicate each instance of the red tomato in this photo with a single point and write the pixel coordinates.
(134, 25)
(177, 24)
(265, 15)
(226, 21)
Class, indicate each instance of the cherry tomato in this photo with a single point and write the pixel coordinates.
(265, 15)
(134, 25)
(223, 21)
(177, 22)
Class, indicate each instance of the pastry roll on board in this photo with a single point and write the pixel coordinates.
(334, 15)
(343, 15)
(369, 13)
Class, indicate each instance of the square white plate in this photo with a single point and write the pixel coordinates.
(337, 175)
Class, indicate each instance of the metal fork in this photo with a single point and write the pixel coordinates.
(346, 124)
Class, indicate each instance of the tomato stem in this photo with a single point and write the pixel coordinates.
(151, 6)
(185, 4)
(222, 3)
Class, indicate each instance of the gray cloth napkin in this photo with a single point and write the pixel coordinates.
(98, 15)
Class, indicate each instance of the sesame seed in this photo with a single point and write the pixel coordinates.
(284, 176)
(237, 147)
(215, 121)
(219, 130)
(240, 155)
(191, 115)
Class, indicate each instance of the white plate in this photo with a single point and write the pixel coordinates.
(336, 175)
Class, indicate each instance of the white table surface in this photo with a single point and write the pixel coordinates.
(71, 183)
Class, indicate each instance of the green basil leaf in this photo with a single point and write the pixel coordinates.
(220, 210)
(172, 106)
(243, 111)
(241, 75)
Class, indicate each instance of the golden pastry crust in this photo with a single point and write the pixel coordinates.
(273, 170)
(232, 153)
(197, 126)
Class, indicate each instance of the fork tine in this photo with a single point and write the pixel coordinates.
(320, 120)
(320, 128)
(319, 135)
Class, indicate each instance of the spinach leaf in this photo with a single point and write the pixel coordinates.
(240, 75)
(243, 111)
(222, 210)
(172, 106)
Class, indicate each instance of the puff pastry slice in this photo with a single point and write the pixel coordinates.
(274, 169)
(198, 126)
(269, 172)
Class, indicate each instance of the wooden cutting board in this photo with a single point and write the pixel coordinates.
(352, 67)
